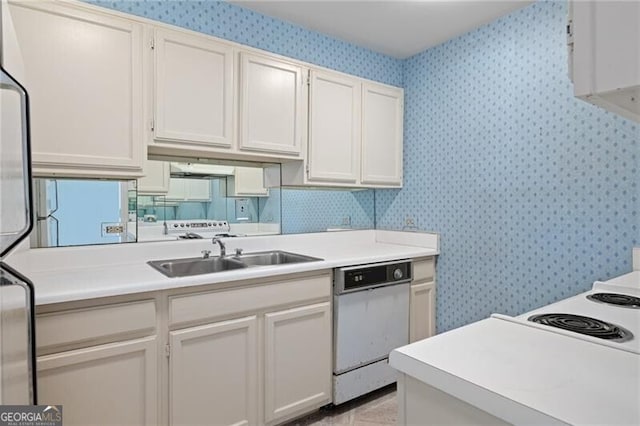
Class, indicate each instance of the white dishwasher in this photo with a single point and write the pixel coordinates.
(371, 318)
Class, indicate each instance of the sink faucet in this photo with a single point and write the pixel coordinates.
(223, 249)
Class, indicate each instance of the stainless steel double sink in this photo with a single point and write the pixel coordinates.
(199, 265)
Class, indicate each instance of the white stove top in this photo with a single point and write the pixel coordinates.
(628, 318)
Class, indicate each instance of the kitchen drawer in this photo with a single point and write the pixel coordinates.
(201, 307)
(424, 270)
(78, 328)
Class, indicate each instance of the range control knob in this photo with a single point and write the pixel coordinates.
(397, 274)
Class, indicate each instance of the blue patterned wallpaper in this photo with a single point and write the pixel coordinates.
(317, 210)
(534, 192)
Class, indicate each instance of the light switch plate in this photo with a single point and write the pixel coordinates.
(242, 209)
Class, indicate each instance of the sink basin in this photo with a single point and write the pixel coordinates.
(198, 265)
(195, 266)
(275, 257)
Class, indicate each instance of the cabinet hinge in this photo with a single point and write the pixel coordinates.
(309, 78)
(167, 351)
(307, 169)
(570, 32)
(152, 125)
(152, 43)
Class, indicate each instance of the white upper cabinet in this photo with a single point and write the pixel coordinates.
(271, 105)
(382, 112)
(334, 128)
(355, 134)
(156, 178)
(189, 190)
(193, 89)
(604, 54)
(83, 72)
(247, 182)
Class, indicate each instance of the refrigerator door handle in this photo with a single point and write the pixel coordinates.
(7, 82)
(31, 324)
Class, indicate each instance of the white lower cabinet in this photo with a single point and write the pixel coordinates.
(422, 302)
(422, 308)
(297, 362)
(258, 352)
(112, 384)
(213, 374)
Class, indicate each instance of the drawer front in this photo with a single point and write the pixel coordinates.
(97, 325)
(424, 270)
(199, 307)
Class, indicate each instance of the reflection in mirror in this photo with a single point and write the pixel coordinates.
(318, 210)
(201, 200)
(72, 212)
(177, 200)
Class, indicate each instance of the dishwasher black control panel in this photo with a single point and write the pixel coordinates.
(361, 277)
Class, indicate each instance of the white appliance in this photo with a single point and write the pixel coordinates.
(17, 307)
(607, 315)
(371, 318)
(576, 361)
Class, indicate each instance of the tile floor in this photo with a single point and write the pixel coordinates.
(376, 409)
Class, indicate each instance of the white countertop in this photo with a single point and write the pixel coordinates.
(528, 376)
(78, 273)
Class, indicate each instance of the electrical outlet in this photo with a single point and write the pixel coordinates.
(109, 229)
(346, 221)
(409, 221)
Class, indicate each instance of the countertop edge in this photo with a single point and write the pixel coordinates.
(475, 395)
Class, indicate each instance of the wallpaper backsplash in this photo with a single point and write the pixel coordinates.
(534, 192)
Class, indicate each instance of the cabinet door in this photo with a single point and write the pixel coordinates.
(247, 182)
(298, 367)
(83, 72)
(110, 384)
(382, 108)
(193, 89)
(213, 374)
(271, 108)
(334, 128)
(422, 311)
(189, 190)
(156, 178)
(198, 190)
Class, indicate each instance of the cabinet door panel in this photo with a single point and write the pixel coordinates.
(422, 311)
(271, 105)
(193, 89)
(83, 72)
(297, 361)
(382, 135)
(110, 384)
(334, 128)
(156, 179)
(213, 374)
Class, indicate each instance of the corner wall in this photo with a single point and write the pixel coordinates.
(534, 192)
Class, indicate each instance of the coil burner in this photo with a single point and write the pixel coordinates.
(584, 325)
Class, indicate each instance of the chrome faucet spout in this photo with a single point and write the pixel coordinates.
(223, 249)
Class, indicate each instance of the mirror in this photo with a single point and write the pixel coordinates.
(72, 212)
(180, 199)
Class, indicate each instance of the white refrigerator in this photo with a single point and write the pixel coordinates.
(17, 308)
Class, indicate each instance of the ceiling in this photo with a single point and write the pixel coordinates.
(397, 28)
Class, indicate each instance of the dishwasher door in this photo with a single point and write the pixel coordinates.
(369, 324)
